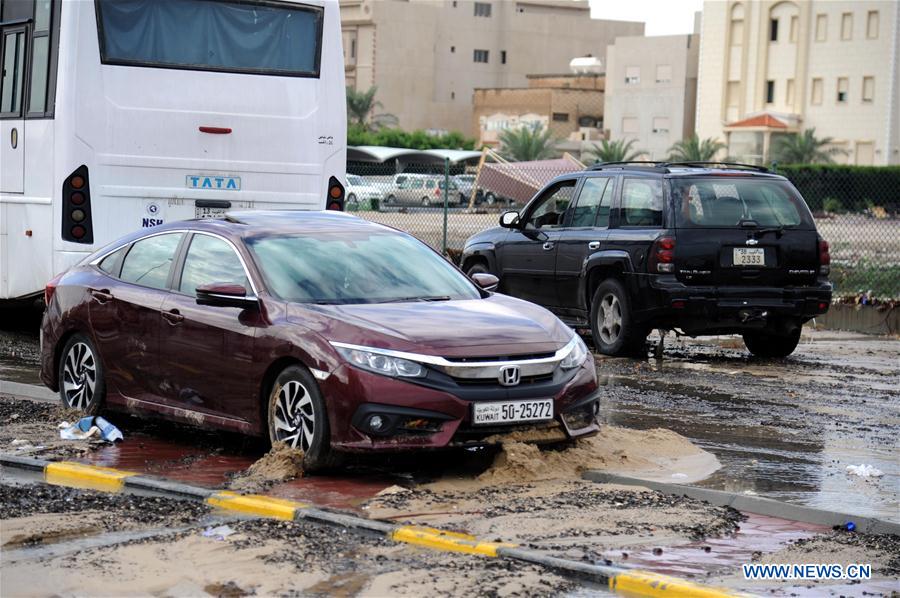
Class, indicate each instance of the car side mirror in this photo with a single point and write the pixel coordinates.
(509, 219)
(486, 281)
(225, 294)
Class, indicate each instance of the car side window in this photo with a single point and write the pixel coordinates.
(210, 259)
(592, 207)
(110, 264)
(552, 206)
(642, 202)
(149, 260)
(417, 184)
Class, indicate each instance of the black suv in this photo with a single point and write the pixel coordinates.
(706, 248)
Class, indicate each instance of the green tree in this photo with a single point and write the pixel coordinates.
(693, 149)
(615, 151)
(524, 144)
(805, 148)
(361, 106)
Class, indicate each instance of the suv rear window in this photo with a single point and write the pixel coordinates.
(725, 202)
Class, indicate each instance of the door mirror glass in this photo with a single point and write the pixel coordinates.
(225, 294)
(509, 219)
(486, 281)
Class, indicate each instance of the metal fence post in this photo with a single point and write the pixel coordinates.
(446, 201)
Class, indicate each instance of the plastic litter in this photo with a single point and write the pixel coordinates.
(865, 471)
(219, 533)
(90, 427)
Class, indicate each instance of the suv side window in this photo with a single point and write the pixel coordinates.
(592, 208)
(642, 203)
(210, 259)
(149, 260)
(551, 207)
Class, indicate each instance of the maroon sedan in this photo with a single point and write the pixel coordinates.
(319, 329)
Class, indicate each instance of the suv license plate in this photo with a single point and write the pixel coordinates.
(749, 257)
(507, 412)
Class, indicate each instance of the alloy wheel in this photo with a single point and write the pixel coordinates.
(79, 376)
(609, 319)
(295, 416)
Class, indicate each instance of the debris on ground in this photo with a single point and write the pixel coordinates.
(280, 464)
(90, 427)
(865, 471)
(219, 533)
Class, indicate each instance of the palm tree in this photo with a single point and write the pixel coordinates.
(805, 148)
(524, 144)
(615, 151)
(361, 105)
(693, 149)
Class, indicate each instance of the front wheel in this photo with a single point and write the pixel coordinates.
(81, 378)
(612, 325)
(297, 417)
(351, 198)
(490, 199)
(763, 344)
(426, 202)
(477, 268)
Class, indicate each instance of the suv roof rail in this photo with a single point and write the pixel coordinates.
(649, 164)
(701, 164)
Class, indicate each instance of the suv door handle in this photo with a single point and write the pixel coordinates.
(173, 316)
(548, 245)
(101, 296)
(594, 245)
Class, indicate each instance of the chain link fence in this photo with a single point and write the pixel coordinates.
(857, 210)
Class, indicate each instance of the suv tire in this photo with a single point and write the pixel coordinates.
(764, 344)
(612, 326)
(477, 268)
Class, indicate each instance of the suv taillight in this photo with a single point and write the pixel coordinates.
(51, 288)
(662, 255)
(76, 216)
(824, 257)
(335, 195)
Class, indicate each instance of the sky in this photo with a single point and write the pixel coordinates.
(663, 17)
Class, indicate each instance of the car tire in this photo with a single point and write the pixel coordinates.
(351, 198)
(426, 202)
(390, 199)
(296, 415)
(763, 344)
(82, 381)
(490, 199)
(612, 326)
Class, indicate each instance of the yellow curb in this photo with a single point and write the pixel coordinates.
(256, 504)
(640, 583)
(91, 477)
(443, 540)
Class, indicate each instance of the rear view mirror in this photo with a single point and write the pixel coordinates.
(225, 294)
(509, 219)
(486, 281)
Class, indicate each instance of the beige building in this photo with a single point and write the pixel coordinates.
(771, 68)
(428, 56)
(651, 91)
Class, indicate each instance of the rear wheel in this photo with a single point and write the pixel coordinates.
(390, 199)
(351, 198)
(426, 202)
(81, 381)
(764, 344)
(490, 199)
(612, 325)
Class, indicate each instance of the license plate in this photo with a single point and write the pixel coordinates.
(749, 257)
(209, 212)
(507, 412)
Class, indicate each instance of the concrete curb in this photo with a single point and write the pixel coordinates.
(754, 504)
(29, 391)
(628, 581)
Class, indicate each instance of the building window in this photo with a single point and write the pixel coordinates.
(793, 32)
(868, 90)
(663, 73)
(847, 26)
(872, 25)
(352, 48)
(821, 28)
(453, 49)
(737, 32)
(632, 75)
(773, 30)
(770, 91)
(789, 95)
(561, 117)
(480, 56)
(842, 90)
(815, 97)
(661, 125)
(629, 125)
(482, 9)
(452, 95)
(502, 56)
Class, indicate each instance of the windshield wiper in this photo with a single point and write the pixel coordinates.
(416, 298)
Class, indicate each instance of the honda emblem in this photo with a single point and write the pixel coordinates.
(509, 375)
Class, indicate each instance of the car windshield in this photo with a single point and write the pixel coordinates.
(355, 180)
(356, 267)
(725, 202)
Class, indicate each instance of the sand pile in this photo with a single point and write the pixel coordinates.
(280, 464)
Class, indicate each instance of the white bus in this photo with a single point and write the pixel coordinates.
(121, 114)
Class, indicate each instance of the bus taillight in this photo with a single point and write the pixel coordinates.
(76, 217)
(335, 195)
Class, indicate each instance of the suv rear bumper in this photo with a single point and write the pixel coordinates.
(725, 310)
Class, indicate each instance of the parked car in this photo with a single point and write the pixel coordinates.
(465, 183)
(421, 190)
(360, 190)
(703, 248)
(318, 329)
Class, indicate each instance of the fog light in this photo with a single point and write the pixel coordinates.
(376, 423)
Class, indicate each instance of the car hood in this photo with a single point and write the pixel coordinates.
(497, 325)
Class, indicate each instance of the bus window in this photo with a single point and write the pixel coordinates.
(13, 67)
(214, 36)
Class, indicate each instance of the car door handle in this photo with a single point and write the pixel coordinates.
(101, 296)
(594, 245)
(548, 245)
(173, 316)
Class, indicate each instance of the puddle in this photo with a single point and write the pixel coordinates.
(17, 370)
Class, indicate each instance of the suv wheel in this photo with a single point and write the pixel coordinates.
(764, 344)
(612, 326)
(477, 268)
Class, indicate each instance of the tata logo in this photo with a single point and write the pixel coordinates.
(509, 375)
(223, 183)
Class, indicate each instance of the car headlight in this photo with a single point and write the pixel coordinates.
(578, 352)
(382, 364)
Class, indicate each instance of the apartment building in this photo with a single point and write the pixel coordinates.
(773, 68)
(651, 91)
(428, 56)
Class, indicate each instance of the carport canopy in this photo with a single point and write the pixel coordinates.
(380, 155)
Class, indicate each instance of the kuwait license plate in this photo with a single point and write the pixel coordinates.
(209, 212)
(507, 412)
(744, 256)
